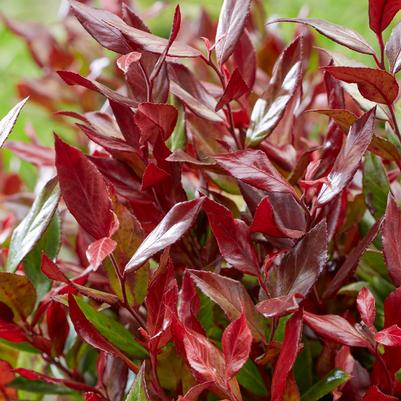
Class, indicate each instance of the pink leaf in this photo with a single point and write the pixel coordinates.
(279, 306)
(366, 306)
(99, 250)
(391, 336)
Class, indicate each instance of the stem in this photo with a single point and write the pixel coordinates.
(155, 378)
(381, 44)
(394, 122)
(148, 84)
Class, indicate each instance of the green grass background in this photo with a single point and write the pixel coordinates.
(15, 61)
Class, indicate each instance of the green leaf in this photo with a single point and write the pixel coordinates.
(112, 330)
(375, 185)
(324, 386)
(250, 378)
(37, 386)
(49, 244)
(34, 224)
(138, 390)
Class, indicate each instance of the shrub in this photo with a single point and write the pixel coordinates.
(227, 226)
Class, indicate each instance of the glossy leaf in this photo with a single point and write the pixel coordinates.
(329, 383)
(173, 226)
(236, 88)
(236, 343)
(139, 391)
(374, 394)
(390, 336)
(35, 223)
(366, 306)
(82, 187)
(287, 357)
(99, 250)
(393, 49)
(381, 13)
(339, 34)
(278, 306)
(233, 15)
(347, 161)
(391, 240)
(8, 121)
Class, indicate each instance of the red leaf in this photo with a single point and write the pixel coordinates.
(11, 332)
(236, 87)
(301, 266)
(233, 16)
(32, 375)
(348, 267)
(153, 175)
(391, 336)
(393, 49)
(6, 373)
(32, 152)
(245, 59)
(392, 310)
(173, 226)
(84, 191)
(392, 240)
(374, 394)
(52, 271)
(347, 161)
(381, 13)
(339, 34)
(366, 306)
(156, 119)
(236, 342)
(99, 250)
(57, 326)
(277, 307)
(267, 221)
(254, 168)
(89, 334)
(232, 236)
(288, 355)
(114, 34)
(8, 121)
(335, 328)
(231, 296)
(376, 85)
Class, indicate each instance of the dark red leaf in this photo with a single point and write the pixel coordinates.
(374, 394)
(381, 13)
(339, 34)
(376, 85)
(99, 250)
(11, 332)
(173, 226)
(233, 15)
(245, 59)
(366, 306)
(392, 239)
(232, 236)
(52, 271)
(254, 168)
(392, 310)
(84, 191)
(390, 336)
(335, 328)
(236, 342)
(347, 161)
(236, 88)
(288, 355)
(301, 266)
(57, 326)
(153, 175)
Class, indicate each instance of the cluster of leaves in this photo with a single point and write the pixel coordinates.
(229, 227)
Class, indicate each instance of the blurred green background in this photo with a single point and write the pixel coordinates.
(15, 61)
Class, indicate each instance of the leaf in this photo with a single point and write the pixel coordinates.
(99, 250)
(351, 262)
(381, 13)
(139, 391)
(391, 236)
(51, 270)
(365, 303)
(390, 336)
(57, 327)
(18, 294)
(254, 168)
(278, 306)
(236, 343)
(231, 296)
(250, 378)
(375, 185)
(232, 19)
(232, 236)
(110, 329)
(301, 266)
(339, 34)
(347, 161)
(269, 109)
(37, 386)
(342, 117)
(287, 357)
(236, 88)
(335, 328)
(374, 394)
(173, 226)
(34, 224)
(114, 34)
(376, 85)
(393, 49)
(84, 191)
(329, 383)
(8, 121)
